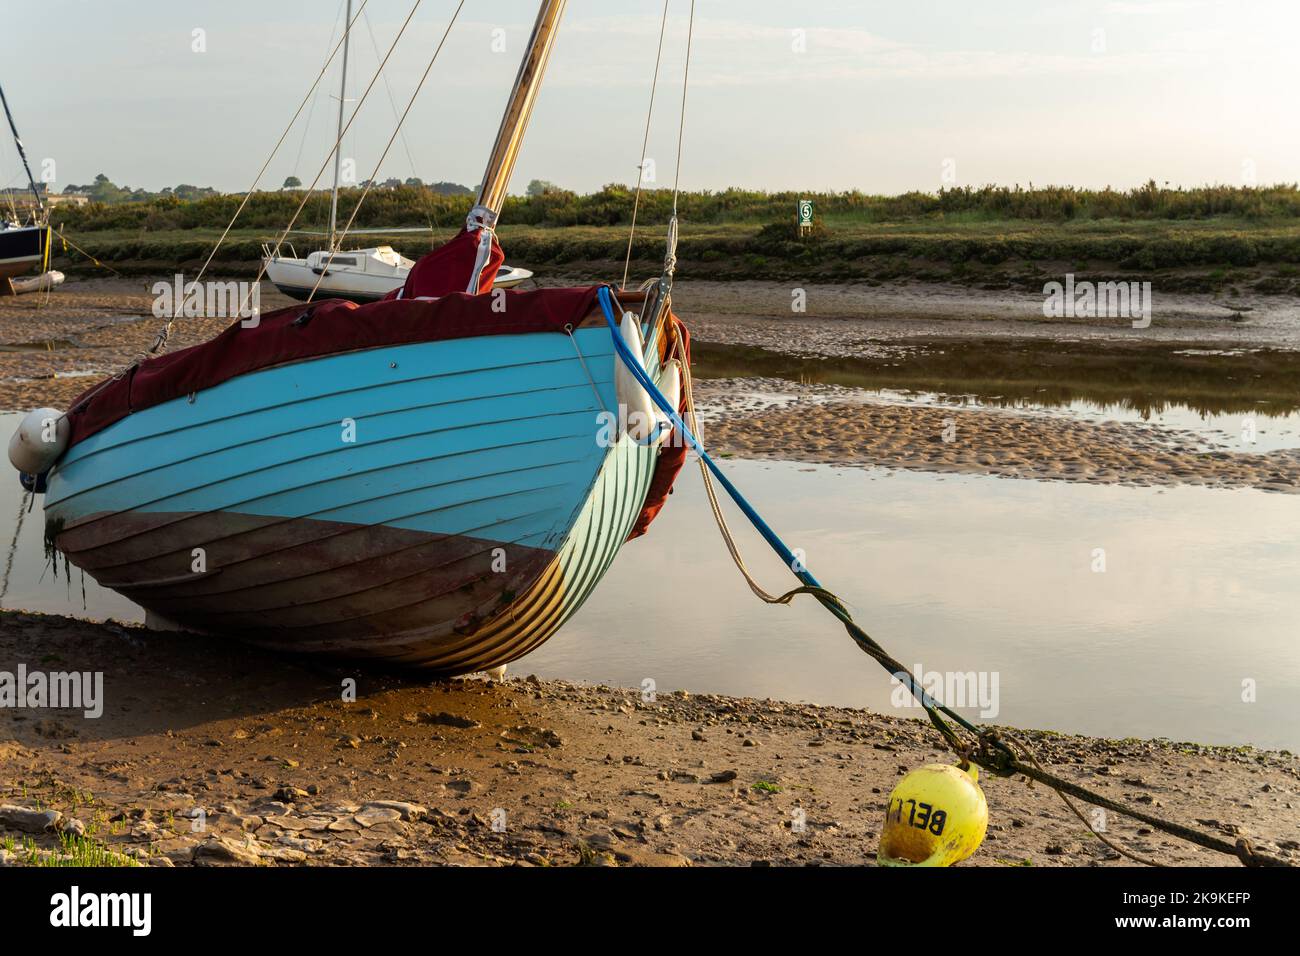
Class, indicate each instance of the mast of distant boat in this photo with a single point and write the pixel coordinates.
(338, 142)
(492, 192)
(22, 154)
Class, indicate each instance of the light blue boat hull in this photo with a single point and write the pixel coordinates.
(446, 504)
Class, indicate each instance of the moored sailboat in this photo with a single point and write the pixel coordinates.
(24, 245)
(358, 275)
(439, 479)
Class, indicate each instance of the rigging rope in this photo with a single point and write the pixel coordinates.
(337, 143)
(392, 103)
(164, 334)
(645, 142)
(315, 97)
(987, 749)
(681, 126)
(384, 155)
(280, 142)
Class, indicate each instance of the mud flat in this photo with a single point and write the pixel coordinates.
(948, 380)
(762, 418)
(287, 773)
(53, 347)
(210, 753)
(857, 318)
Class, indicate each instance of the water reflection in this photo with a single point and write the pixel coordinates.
(1199, 596)
(1141, 380)
(970, 574)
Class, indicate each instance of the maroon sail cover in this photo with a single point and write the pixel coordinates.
(432, 306)
(323, 328)
(447, 269)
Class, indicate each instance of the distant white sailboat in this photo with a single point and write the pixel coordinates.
(358, 275)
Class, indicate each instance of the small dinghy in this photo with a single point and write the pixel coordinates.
(438, 479)
(45, 282)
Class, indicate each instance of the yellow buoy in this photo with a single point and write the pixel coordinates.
(936, 816)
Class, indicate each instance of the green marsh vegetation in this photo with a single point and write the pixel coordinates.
(1208, 238)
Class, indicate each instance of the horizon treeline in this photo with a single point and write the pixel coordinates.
(405, 206)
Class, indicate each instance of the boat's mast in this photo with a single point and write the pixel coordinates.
(22, 154)
(492, 192)
(510, 137)
(338, 142)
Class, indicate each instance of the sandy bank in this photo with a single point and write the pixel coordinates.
(788, 421)
(412, 772)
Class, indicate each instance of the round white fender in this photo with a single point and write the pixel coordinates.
(40, 440)
(636, 411)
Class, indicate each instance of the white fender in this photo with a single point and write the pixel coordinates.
(636, 410)
(670, 384)
(40, 440)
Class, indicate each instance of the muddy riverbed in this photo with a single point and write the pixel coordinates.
(1182, 438)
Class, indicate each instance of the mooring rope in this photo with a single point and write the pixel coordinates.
(103, 265)
(733, 548)
(988, 749)
(719, 518)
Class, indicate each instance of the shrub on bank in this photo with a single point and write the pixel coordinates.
(407, 206)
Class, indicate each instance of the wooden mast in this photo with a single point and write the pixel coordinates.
(510, 137)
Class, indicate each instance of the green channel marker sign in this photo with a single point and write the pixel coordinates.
(805, 216)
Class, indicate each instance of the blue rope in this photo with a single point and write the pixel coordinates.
(634, 364)
(992, 753)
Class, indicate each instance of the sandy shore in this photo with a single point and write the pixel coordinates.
(287, 773)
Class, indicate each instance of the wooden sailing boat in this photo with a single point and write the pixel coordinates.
(359, 275)
(431, 480)
(24, 245)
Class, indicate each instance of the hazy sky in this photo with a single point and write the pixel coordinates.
(822, 94)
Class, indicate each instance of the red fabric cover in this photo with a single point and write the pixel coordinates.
(334, 326)
(447, 269)
(672, 456)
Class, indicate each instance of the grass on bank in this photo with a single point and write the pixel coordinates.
(993, 236)
(1000, 254)
(612, 205)
(72, 851)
